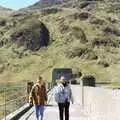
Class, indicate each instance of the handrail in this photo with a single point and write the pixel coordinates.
(20, 111)
(10, 97)
(9, 102)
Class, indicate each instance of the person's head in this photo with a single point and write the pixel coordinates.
(60, 81)
(40, 80)
(63, 81)
(62, 78)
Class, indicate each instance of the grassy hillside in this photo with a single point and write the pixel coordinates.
(5, 12)
(84, 39)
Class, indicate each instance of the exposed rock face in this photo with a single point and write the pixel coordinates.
(105, 41)
(112, 30)
(51, 2)
(30, 38)
(47, 3)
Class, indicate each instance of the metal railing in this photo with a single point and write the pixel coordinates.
(12, 97)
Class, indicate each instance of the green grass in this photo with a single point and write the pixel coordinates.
(68, 37)
(18, 65)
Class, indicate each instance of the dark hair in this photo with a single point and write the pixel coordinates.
(65, 84)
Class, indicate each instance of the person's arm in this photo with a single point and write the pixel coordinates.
(56, 94)
(71, 96)
(31, 95)
(46, 98)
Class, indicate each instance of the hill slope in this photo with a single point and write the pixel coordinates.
(85, 38)
(47, 3)
(4, 12)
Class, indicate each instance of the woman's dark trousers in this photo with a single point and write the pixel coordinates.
(67, 104)
(62, 107)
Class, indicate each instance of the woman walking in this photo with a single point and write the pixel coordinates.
(63, 96)
(38, 97)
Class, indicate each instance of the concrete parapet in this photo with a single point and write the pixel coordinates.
(101, 103)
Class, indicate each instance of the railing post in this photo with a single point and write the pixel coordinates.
(29, 87)
(5, 111)
(50, 85)
(82, 93)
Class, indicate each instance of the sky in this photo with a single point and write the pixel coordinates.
(17, 4)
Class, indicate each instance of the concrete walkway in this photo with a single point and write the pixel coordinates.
(99, 104)
(51, 111)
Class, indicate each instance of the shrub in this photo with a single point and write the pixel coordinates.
(88, 80)
(2, 22)
(81, 16)
(50, 11)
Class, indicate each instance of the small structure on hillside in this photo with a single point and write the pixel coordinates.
(66, 72)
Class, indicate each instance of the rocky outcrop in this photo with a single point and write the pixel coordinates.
(80, 16)
(105, 41)
(112, 30)
(46, 3)
(31, 38)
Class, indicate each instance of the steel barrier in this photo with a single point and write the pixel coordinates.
(13, 97)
